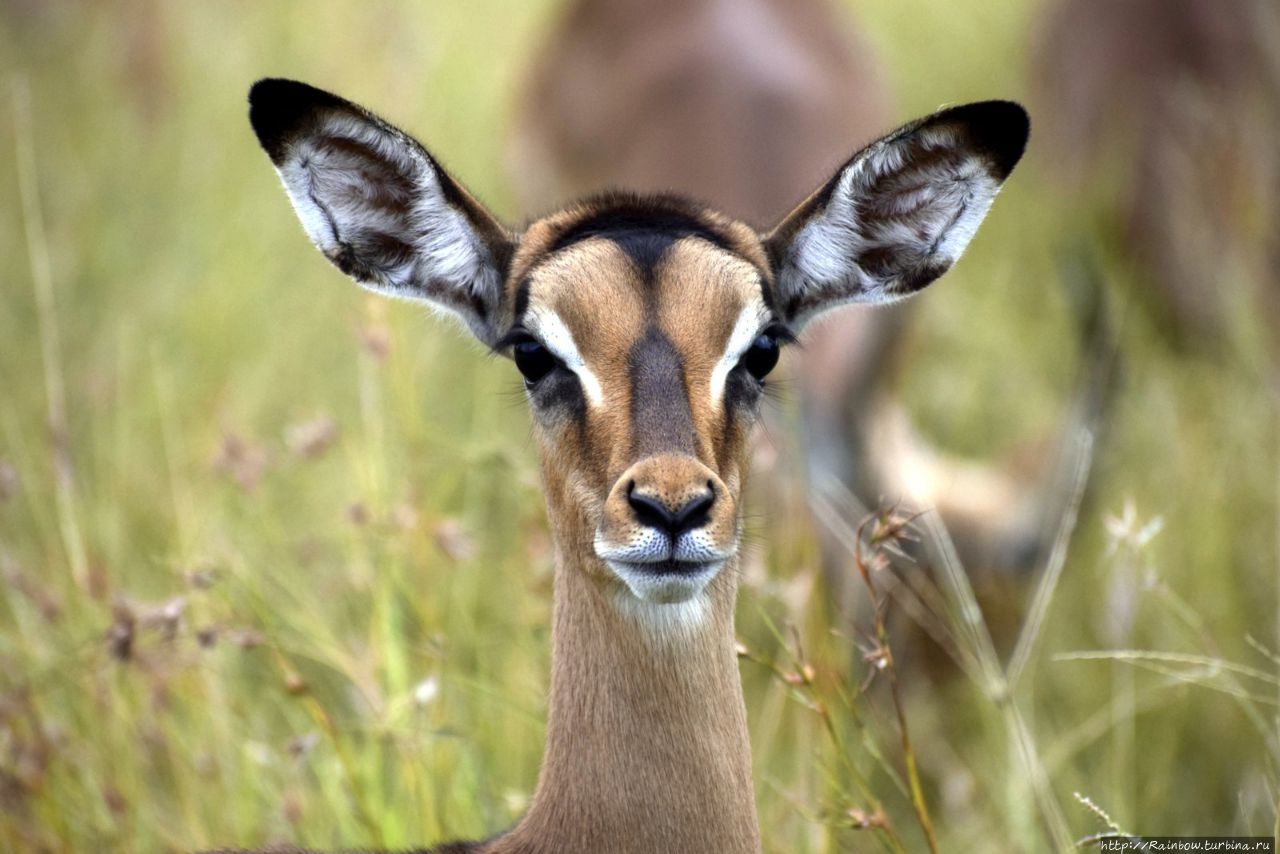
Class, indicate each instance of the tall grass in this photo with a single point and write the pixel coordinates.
(273, 561)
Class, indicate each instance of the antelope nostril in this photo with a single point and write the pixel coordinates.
(656, 514)
(694, 514)
(650, 511)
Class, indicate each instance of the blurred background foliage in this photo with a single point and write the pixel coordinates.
(273, 559)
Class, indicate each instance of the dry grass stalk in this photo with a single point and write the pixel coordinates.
(886, 530)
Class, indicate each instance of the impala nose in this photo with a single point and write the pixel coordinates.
(668, 525)
(654, 511)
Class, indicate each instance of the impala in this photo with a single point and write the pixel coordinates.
(645, 328)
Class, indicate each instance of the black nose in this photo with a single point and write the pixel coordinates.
(656, 514)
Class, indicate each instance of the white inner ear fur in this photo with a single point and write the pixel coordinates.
(750, 320)
(930, 212)
(333, 191)
(547, 327)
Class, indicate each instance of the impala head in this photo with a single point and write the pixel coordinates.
(645, 328)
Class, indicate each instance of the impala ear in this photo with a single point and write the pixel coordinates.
(379, 206)
(899, 213)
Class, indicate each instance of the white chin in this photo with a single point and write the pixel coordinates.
(665, 586)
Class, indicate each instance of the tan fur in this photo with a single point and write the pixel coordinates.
(647, 746)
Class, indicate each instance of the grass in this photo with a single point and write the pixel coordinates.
(274, 562)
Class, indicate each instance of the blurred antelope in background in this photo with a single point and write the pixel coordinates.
(645, 328)
(1181, 99)
(745, 104)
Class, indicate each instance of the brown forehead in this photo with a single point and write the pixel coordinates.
(702, 294)
(622, 214)
(611, 266)
(610, 294)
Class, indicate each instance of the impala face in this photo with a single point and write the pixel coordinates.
(645, 328)
(645, 332)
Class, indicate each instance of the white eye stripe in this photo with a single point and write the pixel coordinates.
(745, 330)
(548, 328)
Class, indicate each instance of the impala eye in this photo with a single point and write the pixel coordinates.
(533, 360)
(761, 356)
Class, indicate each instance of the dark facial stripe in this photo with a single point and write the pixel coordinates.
(654, 218)
(645, 245)
(644, 248)
(661, 420)
(522, 299)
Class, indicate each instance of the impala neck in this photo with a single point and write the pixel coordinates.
(647, 746)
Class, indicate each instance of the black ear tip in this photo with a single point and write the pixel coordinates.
(999, 128)
(279, 108)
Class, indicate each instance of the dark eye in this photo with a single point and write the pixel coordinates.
(533, 360)
(761, 356)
